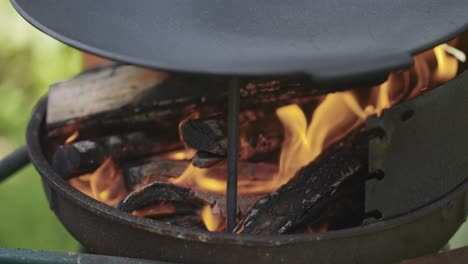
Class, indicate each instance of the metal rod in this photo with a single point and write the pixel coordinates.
(13, 162)
(233, 137)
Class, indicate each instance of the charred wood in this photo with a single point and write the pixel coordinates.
(260, 137)
(205, 159)
(218, 202)
(205, 135)
(158, 192)
(87, 155)
(308, 192)
(173, 213)
(138, 175)
(187, 221)
(345, 209)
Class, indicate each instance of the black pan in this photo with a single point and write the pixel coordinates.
(330, 40)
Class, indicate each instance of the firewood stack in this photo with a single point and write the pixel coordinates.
(159, 128)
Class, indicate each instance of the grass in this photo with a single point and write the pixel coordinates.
(29, 62)
(27, 222)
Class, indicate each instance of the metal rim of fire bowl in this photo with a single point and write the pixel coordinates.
(64, 189)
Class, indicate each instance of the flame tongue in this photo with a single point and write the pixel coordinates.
(339, 113)
(105, 184)
(213, 222)
(447, 66)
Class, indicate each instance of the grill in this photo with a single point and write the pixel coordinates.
(417, 179)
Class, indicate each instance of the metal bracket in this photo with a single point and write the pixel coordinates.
(421, 155)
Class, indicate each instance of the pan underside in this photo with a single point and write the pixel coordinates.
(331, 41)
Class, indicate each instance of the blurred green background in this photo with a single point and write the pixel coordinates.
(29, 62)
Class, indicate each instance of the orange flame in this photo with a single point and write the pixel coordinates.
(186, 154)
(105, 184)
(337, 115)
(213, 222)
(341, 112)
(322, 228)
(447, 66)
(210, 179)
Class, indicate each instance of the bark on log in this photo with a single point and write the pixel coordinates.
(87, 155)
(308, 191)
(121, 97)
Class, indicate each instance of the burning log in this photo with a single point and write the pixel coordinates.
(165, 208)
(136, 176)
(156, 193)
(163, 171)
(117, 98)
(310, 190)
(259, 137)
(173, 213)
(87, 155)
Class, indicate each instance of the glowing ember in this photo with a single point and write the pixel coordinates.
(322, 228)
(186, 154)
(73, 137)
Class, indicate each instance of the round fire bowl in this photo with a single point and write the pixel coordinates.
(106, 230)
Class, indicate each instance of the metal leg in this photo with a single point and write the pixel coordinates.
(13, 162)
(233, 138)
